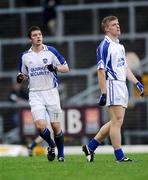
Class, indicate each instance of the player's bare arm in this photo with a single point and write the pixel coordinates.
(102, 84)
(62, 68)
(131, 77)
(102, 81)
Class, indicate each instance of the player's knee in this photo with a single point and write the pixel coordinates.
(117, 121)
(40, 125)
(56, 128)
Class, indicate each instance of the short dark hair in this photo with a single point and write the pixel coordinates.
(33, 28)
(106, 20)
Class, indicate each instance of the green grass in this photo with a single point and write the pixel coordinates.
(74, 168)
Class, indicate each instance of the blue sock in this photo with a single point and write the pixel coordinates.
(93, 144)
(119, 154)
(32, 145)
(59, 140)
(46, 136)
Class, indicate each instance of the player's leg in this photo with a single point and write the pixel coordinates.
(33, 144)
(58, 134)
(38, 109)
(41, 125)
(39, 116)
(117, 116)
(46, 135)
(103, 132)
(117, 100)
(55, 114)
(59, 139)
(44, 132)
(90, 148)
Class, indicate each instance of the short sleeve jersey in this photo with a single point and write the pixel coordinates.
(34, 64)
(111, 57)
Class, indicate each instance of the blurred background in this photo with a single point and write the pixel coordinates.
(73, 27)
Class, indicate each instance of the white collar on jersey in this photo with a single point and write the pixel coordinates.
(110, 40)
(44, 48)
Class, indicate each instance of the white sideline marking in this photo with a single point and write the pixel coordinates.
(108, 149)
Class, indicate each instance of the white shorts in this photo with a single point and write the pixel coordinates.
(117, 93)
(43, 102)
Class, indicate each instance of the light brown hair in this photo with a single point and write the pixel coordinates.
(106, 20)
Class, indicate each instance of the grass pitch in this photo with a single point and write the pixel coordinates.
(74, 168)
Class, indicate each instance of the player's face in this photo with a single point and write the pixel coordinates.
(36, 38)
(113, 28)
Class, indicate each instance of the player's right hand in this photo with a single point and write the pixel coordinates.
(102, 100)
(20, 77)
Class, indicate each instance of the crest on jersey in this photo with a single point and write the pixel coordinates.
(45, 61)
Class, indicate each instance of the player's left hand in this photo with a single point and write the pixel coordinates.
(51, 68)
(140, 87)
